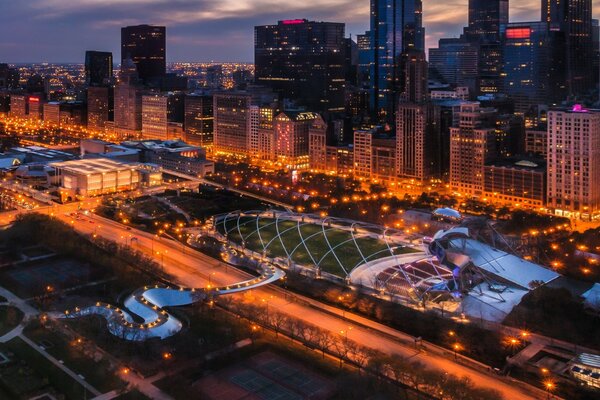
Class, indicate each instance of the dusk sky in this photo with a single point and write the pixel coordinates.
(197, 30)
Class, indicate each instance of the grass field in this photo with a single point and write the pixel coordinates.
(317, 243)
(10, 317)
(46, 371)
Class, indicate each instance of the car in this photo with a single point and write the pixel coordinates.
(128, 228)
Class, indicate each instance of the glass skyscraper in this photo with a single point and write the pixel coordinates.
(396, 28)
(146, 46)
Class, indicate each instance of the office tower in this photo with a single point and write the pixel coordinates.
(574, 162)
(303, 61)
(350, 61)
(526, 51)
(455, 62)
(485, 19)
(263, 135)
(396, 27)
(317, 145)
(9, 77)
(146, 46)
(418, 141)
(365, 59)
(52, 113)
(36, 107)
(199, 119)
(98, 68)
(291, 138)
(413, 80)
(573, 18)
(232, 123)
(154, 116)
(374, 157)
(472, 146)
(100, 107)
(128, 110)
(19, 106)
(516, 182)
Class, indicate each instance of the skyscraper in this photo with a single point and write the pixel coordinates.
(573, 18)
(574, 162)
(472, 145)
(303, 61)
(98, 68)
(485, 19)
(527, 63)
(455, 62)
(100, 107)
(417, 141)
(199, 119)
(146, 46)
(396, 27)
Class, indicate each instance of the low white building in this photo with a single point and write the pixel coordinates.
(93, 177)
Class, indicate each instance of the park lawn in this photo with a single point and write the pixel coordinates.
(98, 374)
(10, 318)
(284, 238)
(44, 368)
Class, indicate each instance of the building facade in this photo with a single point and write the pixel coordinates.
(100, 107)
(574, 163)
(303, 61)
(98, 68)
(396, 27)
(155, 117)
(472, 146)
(199, 120)
(291, 139)
(145, 45)
(232, 123)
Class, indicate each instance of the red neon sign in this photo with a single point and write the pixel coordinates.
(292, 21)
(34, 100)
(518, 33)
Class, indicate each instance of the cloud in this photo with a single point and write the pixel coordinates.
(61, 30)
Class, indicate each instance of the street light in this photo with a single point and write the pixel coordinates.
(550, 386)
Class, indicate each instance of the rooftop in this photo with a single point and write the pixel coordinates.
(92, 166)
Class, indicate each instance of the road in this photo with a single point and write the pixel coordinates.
(194, 269)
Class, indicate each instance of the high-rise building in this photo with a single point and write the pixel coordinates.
(291, 138)
(365, 59)
(374, 157)
(155, 116)
(396, 27)
(128, 102)
(146, 46)
(527, 55)
(417, 141)
(485, 19)
(516, 182)
(36, 107)
(98, 68)
(472, 146)
(303, 61)
(199, 119)
(52, 113)
(573, 19)
(100, 107)
(455, 62)
(232, 122)
(127, 110)
(9, 77)
(574, 162)
(413, 82)
(317, 145)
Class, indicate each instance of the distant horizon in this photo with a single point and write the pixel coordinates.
(60, 31)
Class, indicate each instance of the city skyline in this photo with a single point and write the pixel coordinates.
(196, 30)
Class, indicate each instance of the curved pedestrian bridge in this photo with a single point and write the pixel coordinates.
(149, 303)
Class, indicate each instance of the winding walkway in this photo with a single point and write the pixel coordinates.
(149, 304)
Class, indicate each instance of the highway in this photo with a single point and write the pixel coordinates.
(194, 269)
